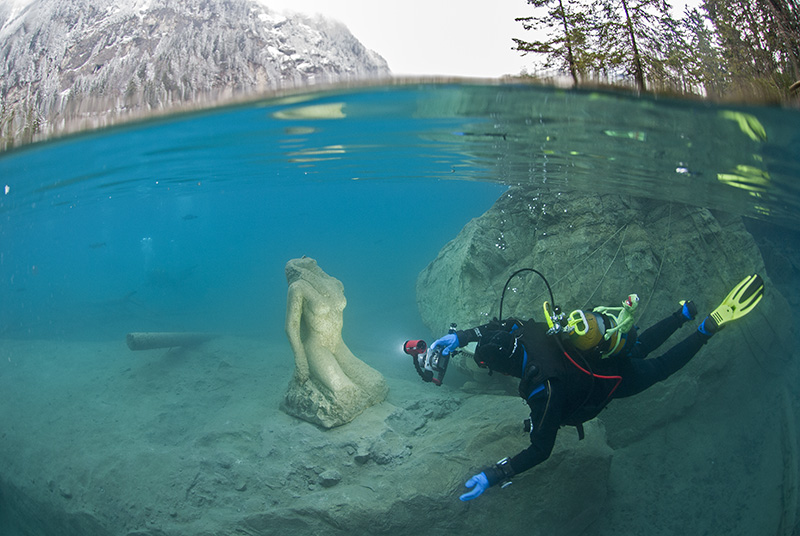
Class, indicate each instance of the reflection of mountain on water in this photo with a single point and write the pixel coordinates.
(94, 60)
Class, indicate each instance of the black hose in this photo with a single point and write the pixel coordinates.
(503, 295)
(558, 338)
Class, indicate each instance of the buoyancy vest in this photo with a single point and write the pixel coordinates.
(589, 380)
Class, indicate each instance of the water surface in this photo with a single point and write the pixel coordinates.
(186, 222)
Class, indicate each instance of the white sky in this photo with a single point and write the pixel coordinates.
(431, 37)
(436, 37)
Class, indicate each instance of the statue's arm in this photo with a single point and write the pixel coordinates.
(294, 314)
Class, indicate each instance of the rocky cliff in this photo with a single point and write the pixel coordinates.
(65, 64)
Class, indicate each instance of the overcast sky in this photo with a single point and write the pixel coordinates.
(431, 37)
(437, 37)
(428, 37)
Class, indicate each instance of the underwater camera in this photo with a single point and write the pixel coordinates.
(430, 363)
(427, 361)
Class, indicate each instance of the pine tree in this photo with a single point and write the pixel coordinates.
(705, 64)
(610, 38)
(630, 34)
(567, 24)
(787, 27)
(760, 41)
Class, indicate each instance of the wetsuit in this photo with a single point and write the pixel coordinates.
(564, 386)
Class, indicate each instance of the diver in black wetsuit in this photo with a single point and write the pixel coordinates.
(567, 383)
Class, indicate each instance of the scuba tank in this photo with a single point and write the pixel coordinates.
(586, 331)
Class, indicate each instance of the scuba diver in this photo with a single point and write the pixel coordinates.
(569, 374)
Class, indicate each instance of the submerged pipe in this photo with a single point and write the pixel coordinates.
(150, 340)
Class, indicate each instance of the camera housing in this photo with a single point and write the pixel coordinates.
(430, 363)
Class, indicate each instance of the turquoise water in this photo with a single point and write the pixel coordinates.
(187, 222)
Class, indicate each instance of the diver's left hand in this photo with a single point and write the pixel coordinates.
(478, 483)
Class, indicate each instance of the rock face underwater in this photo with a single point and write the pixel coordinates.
(595, 250)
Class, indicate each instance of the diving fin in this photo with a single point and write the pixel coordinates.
(741, 300)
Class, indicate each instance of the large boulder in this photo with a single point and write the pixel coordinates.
(595, 250)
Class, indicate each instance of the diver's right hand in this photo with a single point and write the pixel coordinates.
(448, 343)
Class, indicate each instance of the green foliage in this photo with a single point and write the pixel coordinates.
(704, 62)
(600, 38)
(567, 27)
(760, 42)
(728, 47)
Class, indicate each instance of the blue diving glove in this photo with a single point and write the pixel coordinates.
(478, 483)
(449, 343)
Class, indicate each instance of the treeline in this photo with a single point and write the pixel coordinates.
(723, 48)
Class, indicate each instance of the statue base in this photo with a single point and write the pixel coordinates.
(305, 400)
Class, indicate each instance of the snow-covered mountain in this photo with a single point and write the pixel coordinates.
(64, 62)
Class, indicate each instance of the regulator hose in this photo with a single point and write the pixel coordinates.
(587, 368)
(512, 276)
